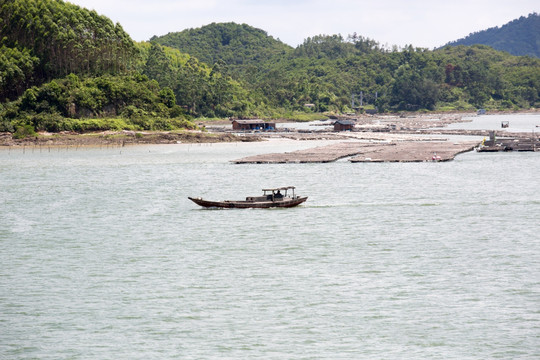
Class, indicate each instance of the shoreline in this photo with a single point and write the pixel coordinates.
(382, 127)
(120, 138)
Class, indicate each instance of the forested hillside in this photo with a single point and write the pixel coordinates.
(202, 90)
(43, 40)
(518, 37)
(63, 67)
(61, 64)
(238, 45)
(329, 71)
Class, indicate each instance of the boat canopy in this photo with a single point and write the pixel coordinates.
(277, 191)
(280, 188)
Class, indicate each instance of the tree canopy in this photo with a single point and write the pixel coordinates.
(328, 70)
(232, 43)
(64, 38)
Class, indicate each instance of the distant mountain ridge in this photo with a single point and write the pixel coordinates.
(519, 37)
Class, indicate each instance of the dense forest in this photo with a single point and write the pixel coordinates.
(63, 67)
(330, 71)
(231, 43)
(61, 64)
(518, 37)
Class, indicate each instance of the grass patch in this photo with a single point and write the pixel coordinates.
(55, 123)
(206, 119)
(303, 117)
(455, 106)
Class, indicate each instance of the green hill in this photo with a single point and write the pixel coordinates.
(43, 40)
(329, 70)
(454, 78)
(234, 44)
(61, 64)
(518, 37)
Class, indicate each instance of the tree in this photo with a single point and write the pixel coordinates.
(16, 70)
(158, 66)
(411, 91)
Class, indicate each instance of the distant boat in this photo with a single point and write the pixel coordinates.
(271, 198)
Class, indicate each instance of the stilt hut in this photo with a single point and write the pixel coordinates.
(250, 125)
(344, 125)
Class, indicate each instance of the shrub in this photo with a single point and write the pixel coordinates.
(6, 126)
(47, 122)
(85, 125)
(132, 112)
(181, 123)
(161, 124)
(24, 132)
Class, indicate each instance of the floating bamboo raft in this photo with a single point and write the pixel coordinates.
(403, 151)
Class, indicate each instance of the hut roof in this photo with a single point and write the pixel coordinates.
(345, 122)
(249, 121)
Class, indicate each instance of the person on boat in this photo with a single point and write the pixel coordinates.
(278, 194)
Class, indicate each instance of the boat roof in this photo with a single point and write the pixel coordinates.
(280, 188)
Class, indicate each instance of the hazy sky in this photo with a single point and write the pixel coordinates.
(421, 23)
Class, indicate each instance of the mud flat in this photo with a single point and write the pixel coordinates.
(121, 138)
(401, 151)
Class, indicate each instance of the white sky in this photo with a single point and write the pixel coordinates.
(421, 23)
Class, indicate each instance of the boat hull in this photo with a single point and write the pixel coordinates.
(285, 203)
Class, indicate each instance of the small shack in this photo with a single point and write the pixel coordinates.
(371, 111)
(250, 125)
(344, 125)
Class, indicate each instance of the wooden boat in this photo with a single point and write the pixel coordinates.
(271, 198)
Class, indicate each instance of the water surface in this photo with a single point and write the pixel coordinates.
(104, 257)
(527, 123)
